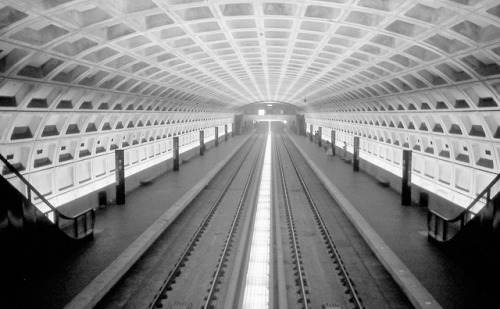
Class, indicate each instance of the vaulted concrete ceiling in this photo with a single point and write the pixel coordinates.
(229, 53)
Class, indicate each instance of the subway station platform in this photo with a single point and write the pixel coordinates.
(455, 277)
(77, 276)
(119, 229)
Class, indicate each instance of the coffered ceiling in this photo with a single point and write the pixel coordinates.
(230, 53)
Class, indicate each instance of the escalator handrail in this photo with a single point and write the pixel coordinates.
(467, 210)
(40, 196)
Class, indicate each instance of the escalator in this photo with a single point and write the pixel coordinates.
(481, 218)
(28, 236)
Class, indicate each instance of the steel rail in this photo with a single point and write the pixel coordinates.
(175, 272)
(350, 284)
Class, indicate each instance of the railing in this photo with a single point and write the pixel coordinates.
(77, 227)
(439, 227)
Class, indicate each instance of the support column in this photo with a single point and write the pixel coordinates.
(298, 128)
(120, 176)
(216, 136)
(311, 137)
(301, 125)
(232, 129)
(202, 143)
(237, 124)
(406, 179)
(225, 132)
(333, 142)
(319, 133)
(176, 153)
(355, 156)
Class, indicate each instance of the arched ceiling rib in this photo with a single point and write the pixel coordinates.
(230, 53)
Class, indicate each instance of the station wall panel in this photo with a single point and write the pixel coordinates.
(71, 160)
(454, 166)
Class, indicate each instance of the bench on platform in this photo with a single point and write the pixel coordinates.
(383, 181)
(147, 181)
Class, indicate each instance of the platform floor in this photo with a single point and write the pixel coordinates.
(117, 227)
(455, 279)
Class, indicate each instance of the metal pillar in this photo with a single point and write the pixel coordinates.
(355, 157)
(232, 129)
(405, 181)
(311, 137)
(202, 143)
(225, 132)
(333, 142)
(120, 176)
(301, 125)
(176, 153)
(238, 125)
(319, 133)
(216, 136)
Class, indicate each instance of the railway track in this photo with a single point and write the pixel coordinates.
(296, 255)
(351, 299)
(333, 267)
(226, 251)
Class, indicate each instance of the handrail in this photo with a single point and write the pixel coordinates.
(57, 213)
(472, 204)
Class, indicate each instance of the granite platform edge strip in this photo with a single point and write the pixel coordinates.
(411, 286)
(101, 285)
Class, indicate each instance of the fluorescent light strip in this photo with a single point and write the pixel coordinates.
(256, 294)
